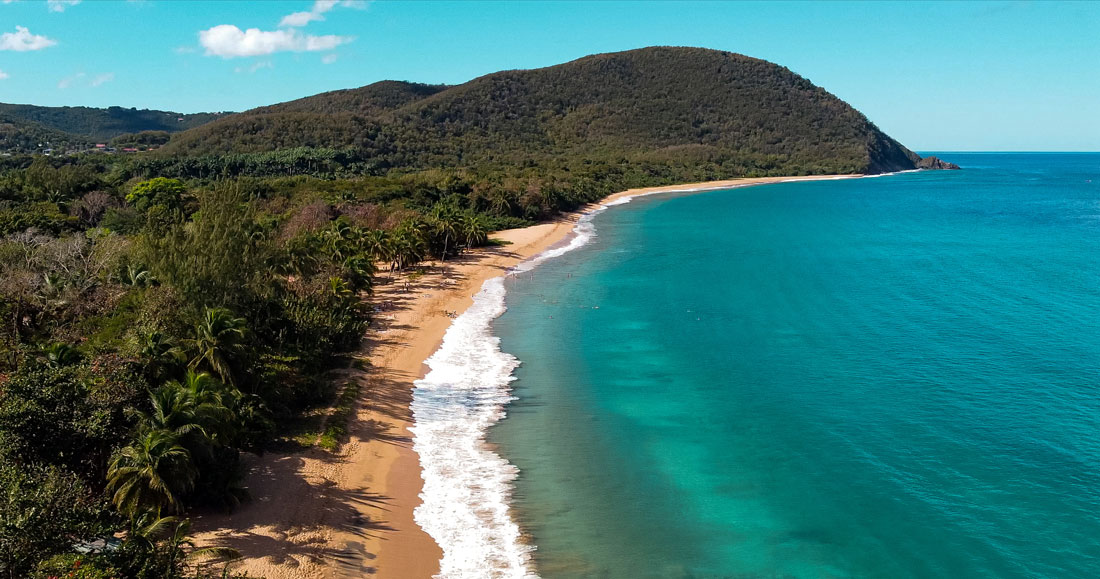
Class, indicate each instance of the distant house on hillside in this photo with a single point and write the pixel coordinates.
(129, 150)
(101, 146)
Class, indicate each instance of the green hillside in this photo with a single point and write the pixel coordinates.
(76, 125)
(19, 135)
(667, 106)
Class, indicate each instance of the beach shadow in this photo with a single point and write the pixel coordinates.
(284, 523)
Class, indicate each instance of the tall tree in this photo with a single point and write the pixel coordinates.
(218, 337)
(151, 474)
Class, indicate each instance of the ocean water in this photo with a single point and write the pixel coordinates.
(885, 377)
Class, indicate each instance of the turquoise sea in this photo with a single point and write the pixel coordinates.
(885, 377)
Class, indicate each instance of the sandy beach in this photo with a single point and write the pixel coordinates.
(349, 513)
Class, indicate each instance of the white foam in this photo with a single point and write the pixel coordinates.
(467, 487)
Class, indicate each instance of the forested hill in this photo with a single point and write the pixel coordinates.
(83, 124)
(661, 106)
(18, 135)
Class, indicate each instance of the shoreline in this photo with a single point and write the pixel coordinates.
(321, 515)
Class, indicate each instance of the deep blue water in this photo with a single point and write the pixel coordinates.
(886, 377)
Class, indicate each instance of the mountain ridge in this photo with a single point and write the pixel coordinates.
(664, 104)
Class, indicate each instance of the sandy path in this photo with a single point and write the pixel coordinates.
(317, 514)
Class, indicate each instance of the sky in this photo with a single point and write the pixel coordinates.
(937, 76)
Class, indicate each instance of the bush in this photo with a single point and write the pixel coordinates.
(76, 566)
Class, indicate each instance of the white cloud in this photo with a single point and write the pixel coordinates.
(102, 78)
(257, 66)
(70, 80)
(298, 19)
(329, 58)
(81, 79)
(60, 5)
(22, 40)
(320, 7)
(185, 50)
(3, 74)
(228, 41)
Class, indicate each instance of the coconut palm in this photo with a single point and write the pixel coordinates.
(151, 474)
(358, 271)
(340, 288)
(376, 243)
(473, 229)
(217, 341)
(408, 245)
(502, 202)
(196, 410)
(445, 222)
(337, 239)
(300, 257)
(160, 354)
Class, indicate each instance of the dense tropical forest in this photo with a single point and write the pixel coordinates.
(162, 312)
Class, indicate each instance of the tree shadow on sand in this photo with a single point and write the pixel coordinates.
(266, 534)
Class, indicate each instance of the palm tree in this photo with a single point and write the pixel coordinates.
(299, 258)
(169, 535)
(340, 288)
(52, 286)
(212, 404)
(473, 229)
(151, 474)
(358, 271)
(376, 243)
(137, 276)
(196, 410)
(445, 223)
(336, 239)
(408, 245)
(217, 340)
(161, 355)
(502, 202)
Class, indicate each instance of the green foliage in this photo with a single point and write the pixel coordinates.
(20, 135)
(76, 566)
(70, 416)
(123, 220)
(42, 216)
(59, 355)
(49, 181)
(142, 139)
(158, 548)
(220, 259)
(157, 192)
(43, 510)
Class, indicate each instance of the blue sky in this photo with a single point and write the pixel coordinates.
(937, 76)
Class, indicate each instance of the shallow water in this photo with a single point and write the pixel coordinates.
(888, 377)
